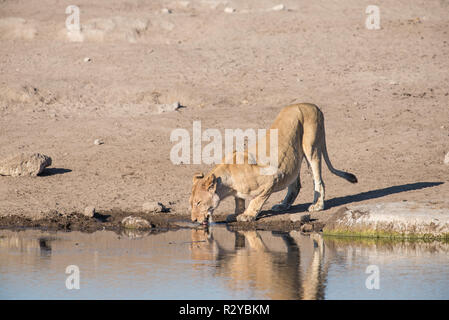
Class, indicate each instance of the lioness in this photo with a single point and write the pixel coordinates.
(300, 132)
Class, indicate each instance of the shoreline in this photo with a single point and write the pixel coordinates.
(398, 221)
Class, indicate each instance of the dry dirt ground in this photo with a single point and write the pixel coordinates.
(384, 94)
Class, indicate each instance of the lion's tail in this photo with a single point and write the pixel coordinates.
(345, 175)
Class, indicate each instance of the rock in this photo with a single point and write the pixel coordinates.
(87, 59)
(279, 7)
(24, 165)
(446, 159)
(393, 83)
(138, 223)
(166, 11)
(393, 219)
(162, 108)
(302, 217)
(307, 227)
(229, 10)
(98, 142)
(153, 206)
(89, 211)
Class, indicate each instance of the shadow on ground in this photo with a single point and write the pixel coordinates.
(53, 171)
(339, 201)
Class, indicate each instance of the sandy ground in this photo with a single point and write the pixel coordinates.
(384, 94)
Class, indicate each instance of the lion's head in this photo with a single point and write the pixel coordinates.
(204, 199)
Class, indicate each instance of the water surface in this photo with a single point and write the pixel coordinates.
(219, 264)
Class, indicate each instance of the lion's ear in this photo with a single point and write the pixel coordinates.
(211, 183)
(198, 176)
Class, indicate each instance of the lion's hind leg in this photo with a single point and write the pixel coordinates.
(313, 155)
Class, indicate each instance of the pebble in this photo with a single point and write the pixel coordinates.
(98, 142)
(446, 159)
(279, 7)
(229, 10)
(153, 206)
(166, 11)
(89, 211)
(168, 107)
(87, 59)
(307, 227)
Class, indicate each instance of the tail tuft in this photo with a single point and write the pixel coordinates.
(350, 177)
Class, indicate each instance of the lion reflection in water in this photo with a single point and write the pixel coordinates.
(298, 273)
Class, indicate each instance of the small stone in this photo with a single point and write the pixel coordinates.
(131, 222)
(307, 227)
(229, 10)
(98, 142)
(279, 7)
(446, 159)
(89, 211)
(393, 83)
(166, 11)
(302, 217)
(24, 165)
(162, 108)
(87, 59)
(153, 206)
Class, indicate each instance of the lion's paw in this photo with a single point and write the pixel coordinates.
(316, 207)
(245, 218)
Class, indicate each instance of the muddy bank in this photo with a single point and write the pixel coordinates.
(404, 220)
(112, 220)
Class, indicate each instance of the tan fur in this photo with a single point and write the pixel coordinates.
(300, 133)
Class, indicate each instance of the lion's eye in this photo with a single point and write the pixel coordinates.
(198, 203)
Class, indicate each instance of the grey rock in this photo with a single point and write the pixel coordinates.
(24, 165)
(138, 223)
(302, 217)
(403, 219)
(162, 108)
(153, 206)
(307, 227)
(89, 211)
(279, 7)
(98, 142)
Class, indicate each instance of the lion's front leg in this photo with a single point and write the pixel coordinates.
(254, 207)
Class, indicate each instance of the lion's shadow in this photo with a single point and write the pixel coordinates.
(339, 201)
